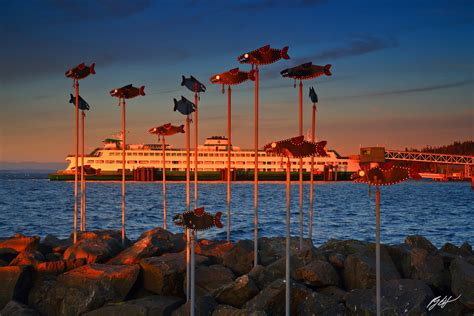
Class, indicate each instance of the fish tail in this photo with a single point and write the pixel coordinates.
(182, 80)
(141, 91)
(327, 70)
(175, 104)
(72, 99)
(217, 220)
(284, 53)
(181, 129)
(92, 68)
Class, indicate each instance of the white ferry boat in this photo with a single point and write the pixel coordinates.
(212, 156)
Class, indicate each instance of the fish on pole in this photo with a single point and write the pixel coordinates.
(314, 99)
(303, 72)
(123, 93)
(162, 131)
(295, 147)
(384, 175)
(262, 56)
(229, 78)
(77, 73)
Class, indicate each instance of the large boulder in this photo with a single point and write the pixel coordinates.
(214, 250)
(344, 247)
(94, 250)
(13, 308)
(359, 269)
(28, 257)
(210, 278)
(261, 276)
(462, 274)
(7, 255)
(52, 244)
(56, 267)
(204, 306)
(146, 306)
(177, 241)
(417, 241)
(83, 289)
(226, 310)
(317, 273)
(399, 297)
(20, 243)
(319, 304)
(15, 282)
(240, 258)
(334, 292)
(237, 292)
(430, 268)
(272, 249)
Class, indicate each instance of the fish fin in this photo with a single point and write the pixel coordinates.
(298, 140)
(234, 71)
(199, 211)
(81, 66)
(306, 65)
(284, 53)
(182, 80)
(320, 148)
(327, 70)
(71, 100)
(181, 128)
(264, 49)
(387, 166)
(141, 91)
(175, 104)
(92, 68)
(167, 125)
(217, 220)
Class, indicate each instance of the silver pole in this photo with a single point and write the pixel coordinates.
(287, 254)
(193, 292)
(377, 246)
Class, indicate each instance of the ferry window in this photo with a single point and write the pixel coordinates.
(118, 161)
(99, 161)
(145, 154)
(90, 161)
(109, 161)
(140, 154)
(205, 155)
(128, 154)
(174, 162)
(132, 161)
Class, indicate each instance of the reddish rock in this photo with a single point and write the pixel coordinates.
(14, 285)
(226, 310)
(20, 243)
(317, 273)
(214, 250)
(240, 258)
(417, 241)
(28, 257)
(56, 267)
(93, 250)
(238, 292)
(336, 260)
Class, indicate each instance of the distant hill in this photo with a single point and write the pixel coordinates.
(31, 165)
(457, 148)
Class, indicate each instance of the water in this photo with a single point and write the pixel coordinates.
(442, 212)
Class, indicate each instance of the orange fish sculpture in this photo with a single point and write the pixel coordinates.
(128, 92)
(80, 71)
(264, 55)
(296, 147)
(306, 71)
(198, 220)
(232, 77)
(386, 174)
(166, 130)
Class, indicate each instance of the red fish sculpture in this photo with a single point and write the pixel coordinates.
(264, 55)
(296, 147)
(128, 92)
(166, 130)
(80, 71)
(306, 71)
(198, 220)
(386, 174)
(232, 77)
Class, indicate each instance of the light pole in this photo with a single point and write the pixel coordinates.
(229, 78)
(126, 92)
(77, 73)
(262, 56)
(303, 72)
(314, 99)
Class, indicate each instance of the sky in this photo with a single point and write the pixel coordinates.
(403, 71)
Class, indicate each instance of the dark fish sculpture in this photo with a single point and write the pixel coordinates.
(386, 174)
(296, 147)
(166, 130)
(83, 105)
(264, 55)
(184, 106)
(193, 84)
(232, 77)
(80, 71)
(306, 71)
(312, 95)
(198, 220)
(128, 92)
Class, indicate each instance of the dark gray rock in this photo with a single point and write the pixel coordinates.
(344, 247)
(204, 306)
(226, 310)
(317, 273)
(15, 284)
(336, 260)
(261, 276)
(240, 258)
(7, 255)
(334, 292)
(14, 308)
(417, 241)
(462, 274)
(430, 268)
(272, 249)
(210, 278)
(319, 304)
(237, 292)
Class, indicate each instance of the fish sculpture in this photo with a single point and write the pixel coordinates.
(128, 92)
(306, 71)
(232, 77)
(386, 174)
(80, 71)
(198, 220)
(184, 106)
(296, 147)
(193, 84)
(264, 55)
(312, 95)
(83, 105)
(166, 130)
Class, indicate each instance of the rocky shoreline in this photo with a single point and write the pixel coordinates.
(97, 276)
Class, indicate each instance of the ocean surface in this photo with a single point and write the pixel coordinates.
(442, 212)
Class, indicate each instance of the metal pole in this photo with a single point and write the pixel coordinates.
(83, 180)
(164, 181)
(123, 171)
(377, 246)
(188, 264)
(229, 113)
(301, 167)
(193, 263)
(287, 252)
(255, 179)
(311, 176)
(77, 158)
(196, 99)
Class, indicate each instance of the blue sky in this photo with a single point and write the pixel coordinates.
(403, 71)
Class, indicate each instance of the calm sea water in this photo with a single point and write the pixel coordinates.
(443, 212)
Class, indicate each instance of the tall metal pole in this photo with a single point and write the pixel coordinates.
(301, 167)
(287, 252)
(77, 158)
(193, 263)
(255, 179)
(164, 181)
(229, 113)
(377, 246)
(188, 264)
(83, 180)
(311, 176)
(123, 171)
(196, 99)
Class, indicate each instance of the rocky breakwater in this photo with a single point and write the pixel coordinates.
(98, 276)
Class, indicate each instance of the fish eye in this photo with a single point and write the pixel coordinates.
(115, 90)
(274, 145)
(218, 77)
(246, 56)
(362, 173)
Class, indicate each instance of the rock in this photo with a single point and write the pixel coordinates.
(94, 250)
(467, 249)
(3, 263)
(214, 250)
(400, 255)
(240, 258)
(15, 283)
(147, 306)
(359, 269)
(210, 278)
(417, 241)
(278, 268)
(261, 276)
(28, 257)
(272, 249)
(336, 260)
(317, 273)
(20, 243)
(56, 267)
(398, 297)
(48, 243)
(456, 251)
(344, 247)
(334, 292)
(8, 254)
(237, 292)
(14, 308)
(429, 268)
(83, 289)
(53, 257)
(204, 306)
(105, 234)
(226, 310)
(178, 242)
(319, 304)
(462, 274)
